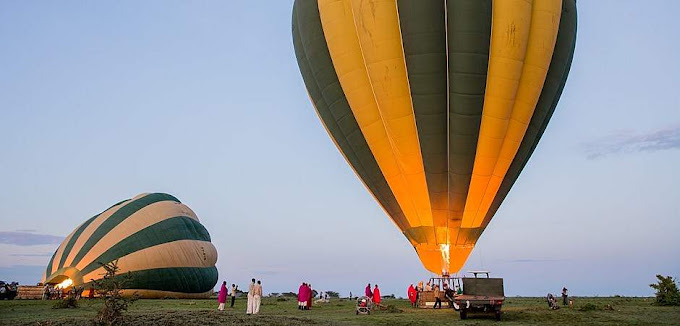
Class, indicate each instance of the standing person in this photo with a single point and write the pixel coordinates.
(46, 292)
(91, 294)
(412, 295)
(376, 295)
(310, 296)
(437, 300)
(222, 296)
(368, 292)
(302, 305)
(257, 297)
(234, 288)
(448, 294)
(251, 290)
(564, 296)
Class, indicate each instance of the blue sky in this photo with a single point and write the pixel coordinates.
(100, 101)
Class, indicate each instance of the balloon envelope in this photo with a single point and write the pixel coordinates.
(154, 236)
(437, 105)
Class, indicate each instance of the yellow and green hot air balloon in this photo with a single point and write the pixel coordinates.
(153, 236)
(436, 104)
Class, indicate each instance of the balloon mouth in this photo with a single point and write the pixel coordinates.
(446, 258)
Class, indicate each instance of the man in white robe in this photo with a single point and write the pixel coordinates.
(257, 297)
(251, 291)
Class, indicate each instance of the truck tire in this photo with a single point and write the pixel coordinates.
(463, 314)
(498, 315)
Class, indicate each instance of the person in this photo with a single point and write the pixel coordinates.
(249, 305)
(419, 290)
(368, 292)
(257, 297)
(376, 295)
(437, 299)
(564, 296)
(310, 296)
(412, 295)
(448, 294)
(350, 295)
(459, 291)
(428, 287)
(46, 292)
(91, 294)
(234, 288)
(302, 294)
(552, 302)
(222, 296)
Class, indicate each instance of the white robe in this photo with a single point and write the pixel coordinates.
(249, 308)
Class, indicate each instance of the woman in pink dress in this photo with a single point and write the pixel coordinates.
(222, 297)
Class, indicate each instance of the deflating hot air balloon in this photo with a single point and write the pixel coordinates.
(436, 104)
(154, 236)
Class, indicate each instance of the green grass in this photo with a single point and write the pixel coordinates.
(517, 311)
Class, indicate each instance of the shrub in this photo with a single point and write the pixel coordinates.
(65, 303)
(333, 294)
(667, 293)
(109, 288)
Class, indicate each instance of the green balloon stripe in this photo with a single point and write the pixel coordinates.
(176, 279)
(423, 30)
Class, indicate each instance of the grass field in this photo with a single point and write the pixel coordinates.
(517, 311)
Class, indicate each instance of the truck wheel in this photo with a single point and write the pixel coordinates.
(498, 315)
(463, 314)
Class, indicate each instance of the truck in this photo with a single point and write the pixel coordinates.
(480, 295)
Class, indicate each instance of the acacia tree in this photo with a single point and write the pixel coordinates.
(667, 293)
(110, 288)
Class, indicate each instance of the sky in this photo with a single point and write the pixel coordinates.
(103, 100)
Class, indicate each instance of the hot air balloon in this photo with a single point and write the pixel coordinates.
(154, 236)
(437, 105)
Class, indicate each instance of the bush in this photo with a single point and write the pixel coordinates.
(333, 294)
(667, 293)
(110, 288)
(65, 303)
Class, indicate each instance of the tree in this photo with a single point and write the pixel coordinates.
(667, 293)
(110, 289)
(333, 294)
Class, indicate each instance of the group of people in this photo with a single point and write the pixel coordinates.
(552, 300)
(305, 296)
(373, 295)
(224, 293)
(76, 292)
(414, 293)
(254, 296)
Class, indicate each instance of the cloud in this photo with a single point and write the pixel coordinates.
(28, 239)
(632, 142)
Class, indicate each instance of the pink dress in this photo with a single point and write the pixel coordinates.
(222, 297)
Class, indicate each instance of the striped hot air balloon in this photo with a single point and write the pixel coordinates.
(436, 104)
(154, 236)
